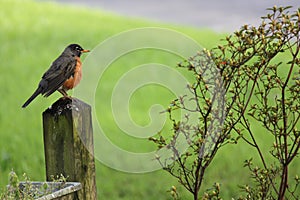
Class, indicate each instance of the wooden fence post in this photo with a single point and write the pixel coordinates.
(69, 146)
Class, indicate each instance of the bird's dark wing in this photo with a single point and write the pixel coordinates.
(60, 70)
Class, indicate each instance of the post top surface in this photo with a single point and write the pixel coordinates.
(66, 104)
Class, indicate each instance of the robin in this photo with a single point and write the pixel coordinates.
(64, 73)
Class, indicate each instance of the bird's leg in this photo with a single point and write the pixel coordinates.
(64, 93)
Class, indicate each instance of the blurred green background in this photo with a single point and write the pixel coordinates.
(32, 35)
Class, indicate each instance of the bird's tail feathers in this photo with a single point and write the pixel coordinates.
(37, 92)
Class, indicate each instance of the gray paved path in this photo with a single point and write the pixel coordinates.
(220, 15)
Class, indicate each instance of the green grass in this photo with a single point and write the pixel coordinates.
(33, 34)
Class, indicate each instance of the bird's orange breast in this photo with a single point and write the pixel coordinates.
(74, 80)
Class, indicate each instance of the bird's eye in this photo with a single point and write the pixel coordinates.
(78, 48)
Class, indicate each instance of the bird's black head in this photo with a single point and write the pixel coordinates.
(75, 49)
